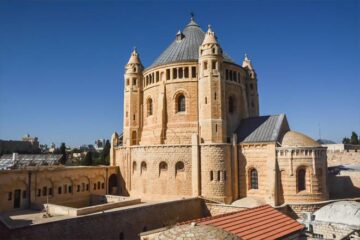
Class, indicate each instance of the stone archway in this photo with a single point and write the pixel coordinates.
(113, 185)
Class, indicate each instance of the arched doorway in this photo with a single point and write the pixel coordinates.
(113, 186)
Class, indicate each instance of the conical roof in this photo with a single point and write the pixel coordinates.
(185, 48)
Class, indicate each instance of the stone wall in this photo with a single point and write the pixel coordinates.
(345, 184)
(216, 208)
(216, 172)
(341, 158)
(145, 178)
(126, 223)
(295, 210)
(70, 186)
(326, 230)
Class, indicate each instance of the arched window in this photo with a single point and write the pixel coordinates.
(163, 166)
(231, 105)
(181, 105)
(149, 104)
(134, 167)
(254, 179)
(143, 167)
(301, 185)
(179, 167)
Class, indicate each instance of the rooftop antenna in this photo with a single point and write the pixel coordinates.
(192, 15)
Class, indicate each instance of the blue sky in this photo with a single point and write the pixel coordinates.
(62, 62)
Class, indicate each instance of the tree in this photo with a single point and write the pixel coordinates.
(87, 160)
(346, 140)
(354, 138)
(105, 154)
(63, 152)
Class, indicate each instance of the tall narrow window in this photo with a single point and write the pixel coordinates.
(227, 74)
(134, 81)
(213, 65)
(205, 65)
(193, 72)
(254, 179)
(301, 180)
(211, 175)
(149, 107)
(134, 138)
(174, 73)
(157, 76)
(186, 72)
(234, 76)
(231, 105)
(231, 75)
(218, 175)
(167, 74)
(181, 105)
(181, 73)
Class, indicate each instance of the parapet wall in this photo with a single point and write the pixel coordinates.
(125, 223)
(341, 158)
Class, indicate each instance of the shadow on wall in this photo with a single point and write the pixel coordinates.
(342, 187)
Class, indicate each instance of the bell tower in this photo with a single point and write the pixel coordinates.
(211, 90)
(251, 88)
(132, 99)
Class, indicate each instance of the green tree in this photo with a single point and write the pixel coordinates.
(105, 154)
(63, 152)
(87, 160)
(354, 138)
(346, 140)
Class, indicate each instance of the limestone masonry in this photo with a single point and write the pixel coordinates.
(192, 128)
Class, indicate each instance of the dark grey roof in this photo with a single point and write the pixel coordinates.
(17, 161)
(186, 48)
(262, 128)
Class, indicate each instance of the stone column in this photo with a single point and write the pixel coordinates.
(271, 175)
(235, 168)
(195, 171)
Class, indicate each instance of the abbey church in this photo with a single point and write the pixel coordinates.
(192, 128)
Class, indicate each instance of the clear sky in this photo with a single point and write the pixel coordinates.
(62, 62)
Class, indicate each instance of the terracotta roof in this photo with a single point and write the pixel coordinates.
(262, 222)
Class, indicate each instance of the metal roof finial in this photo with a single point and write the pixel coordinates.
(192, 16)
(246, 56)
(209, 28)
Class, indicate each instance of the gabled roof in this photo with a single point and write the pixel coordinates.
(262, 129)
(186, 47)
(7, 161)
(262, 222)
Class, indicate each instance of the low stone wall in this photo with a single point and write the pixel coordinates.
(345, 184)
(125, 223)
(294, 210)
(340, 158)
(216, 209)
(69, 211)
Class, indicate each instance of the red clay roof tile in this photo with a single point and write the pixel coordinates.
(263, 222)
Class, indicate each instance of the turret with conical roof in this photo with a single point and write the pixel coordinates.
(211, 90)
(132, 99)
(251, 87)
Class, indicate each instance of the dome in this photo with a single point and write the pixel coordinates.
(194, 231)
(296, 139)
(343, 212)
(185, 47)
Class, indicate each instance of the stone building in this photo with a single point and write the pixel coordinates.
(31, 187)
(192, 128)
